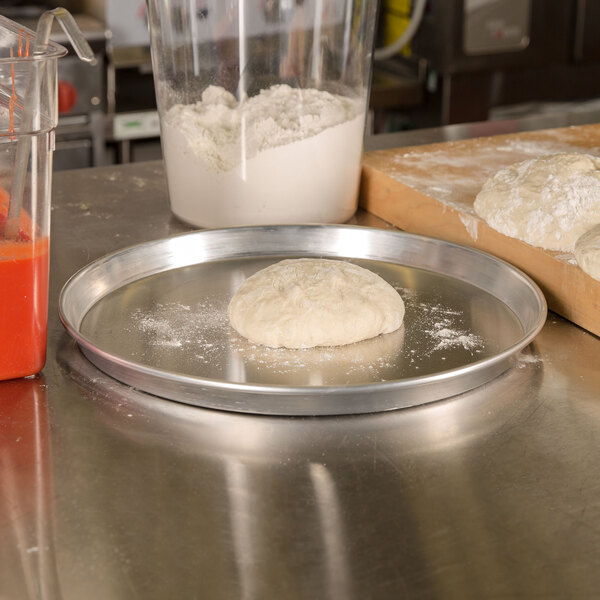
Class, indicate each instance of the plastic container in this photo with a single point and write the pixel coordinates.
(25, 80)
(262, 107)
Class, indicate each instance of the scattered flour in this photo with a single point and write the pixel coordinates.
(534, 148)
(587, 251)
(528, 359)
(451, 338)
(174, 325)
(471, 225)
(569, 257)
(432, 332)
(285, 155)
(450, 177)
(444, 330)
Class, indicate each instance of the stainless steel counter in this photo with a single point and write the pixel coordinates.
(107, 493)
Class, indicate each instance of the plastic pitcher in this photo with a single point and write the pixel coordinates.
(262, 107)
(28, 118)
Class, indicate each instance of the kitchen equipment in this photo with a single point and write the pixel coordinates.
(81, 131)
(483, 54)
(154, 316)
(430, 190)
(31, 101)
(262, 107)
(28, 117)
(81, 135)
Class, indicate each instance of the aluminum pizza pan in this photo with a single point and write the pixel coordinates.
(154, 317)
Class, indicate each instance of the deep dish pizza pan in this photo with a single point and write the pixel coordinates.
(154, 317)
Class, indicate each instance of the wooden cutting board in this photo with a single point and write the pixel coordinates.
(430, 190)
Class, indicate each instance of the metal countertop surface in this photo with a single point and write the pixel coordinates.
(109, 493)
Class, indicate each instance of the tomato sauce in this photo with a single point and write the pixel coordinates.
(23, 299)
(23, 307)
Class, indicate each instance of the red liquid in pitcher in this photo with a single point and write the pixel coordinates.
(23, 307)
(23, 300)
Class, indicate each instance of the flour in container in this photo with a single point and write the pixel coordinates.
(549, 201)
(286, 155)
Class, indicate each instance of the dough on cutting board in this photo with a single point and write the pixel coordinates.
(547, 201)
(308, 302)
(587, 252)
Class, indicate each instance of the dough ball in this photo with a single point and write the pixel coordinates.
(547, 201)
(587, 252)
(307, 302)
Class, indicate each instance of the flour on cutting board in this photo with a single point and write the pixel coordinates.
(454, 175)
(449, 176)
(471, 225)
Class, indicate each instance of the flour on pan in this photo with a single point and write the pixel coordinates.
(181, 327)
(201, 331)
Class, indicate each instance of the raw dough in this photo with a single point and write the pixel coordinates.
(547, 201)
(587, 252)
(307, 302)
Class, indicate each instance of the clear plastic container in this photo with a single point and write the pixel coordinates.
(25, 80)
(262, 107)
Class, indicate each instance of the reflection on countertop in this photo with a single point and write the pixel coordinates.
(493, 493)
